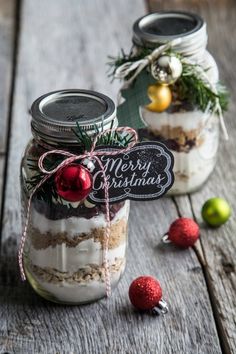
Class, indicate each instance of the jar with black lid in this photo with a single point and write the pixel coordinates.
(64, 250)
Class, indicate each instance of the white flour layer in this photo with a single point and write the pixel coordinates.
(190, 171)
(191, 168)
(70, 259)
(74, 225)
(75, 293)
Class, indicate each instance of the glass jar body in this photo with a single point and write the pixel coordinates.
(191, 135)
(64, 250)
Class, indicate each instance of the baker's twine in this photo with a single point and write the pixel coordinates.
(134, 68)
(92, 155)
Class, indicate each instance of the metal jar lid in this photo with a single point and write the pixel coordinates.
(161, 27)
(54, 115)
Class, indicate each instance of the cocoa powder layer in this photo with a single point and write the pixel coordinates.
(43, 240)
(84, 275)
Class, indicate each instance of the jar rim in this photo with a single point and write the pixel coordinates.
(145, 29)
(55, 114)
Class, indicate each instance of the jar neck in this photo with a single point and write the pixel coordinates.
(48, 145)
(70, 142)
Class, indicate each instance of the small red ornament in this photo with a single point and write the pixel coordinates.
(183, 232)
(145, 293)
(73, 183)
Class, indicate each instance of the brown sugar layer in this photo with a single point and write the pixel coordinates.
(175, 138)
(181, 176)
(82, 276)
(43, 240)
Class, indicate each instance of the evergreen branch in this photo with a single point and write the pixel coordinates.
(190, 87)
(108, 139)
(47, 191)
(115, 62)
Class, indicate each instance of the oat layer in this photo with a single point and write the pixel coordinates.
(84, 275)
(117, 236)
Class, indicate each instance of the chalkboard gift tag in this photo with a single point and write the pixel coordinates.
(145, 172)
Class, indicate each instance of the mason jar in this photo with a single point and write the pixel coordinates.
(191, 134)
(65, 244)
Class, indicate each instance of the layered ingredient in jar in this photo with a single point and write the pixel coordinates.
(191, 134)
(64, 255)
(192, 137)
(66, 241)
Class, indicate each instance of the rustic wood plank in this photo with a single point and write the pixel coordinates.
(7, 9)
(7, 17)
(29, 323)
(2, 159)
(218, 246)
(48, 60)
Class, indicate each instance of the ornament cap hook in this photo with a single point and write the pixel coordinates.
(161, 308)
(165, 239)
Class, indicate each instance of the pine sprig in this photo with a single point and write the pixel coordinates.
(190, 87)
(108, 139)
(224, 96)
(122, 58)
(47, 191)
(83, 138)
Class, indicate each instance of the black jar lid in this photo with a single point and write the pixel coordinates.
(55, 114)
(164, 26)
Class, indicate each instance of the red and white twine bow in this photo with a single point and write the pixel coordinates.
(93, 155)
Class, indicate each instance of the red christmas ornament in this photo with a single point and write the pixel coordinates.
(73, 183)
(183, 232)
(145, 293)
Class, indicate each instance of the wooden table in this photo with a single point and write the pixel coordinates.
(53, 44)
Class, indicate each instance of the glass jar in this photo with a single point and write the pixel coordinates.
(64, 250)
(191, 134)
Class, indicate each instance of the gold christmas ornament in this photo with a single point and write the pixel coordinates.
(166, 69)
(160, 96)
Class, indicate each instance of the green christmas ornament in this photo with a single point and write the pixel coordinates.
(216, 211)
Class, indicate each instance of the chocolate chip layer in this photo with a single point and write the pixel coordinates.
(59, 211)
